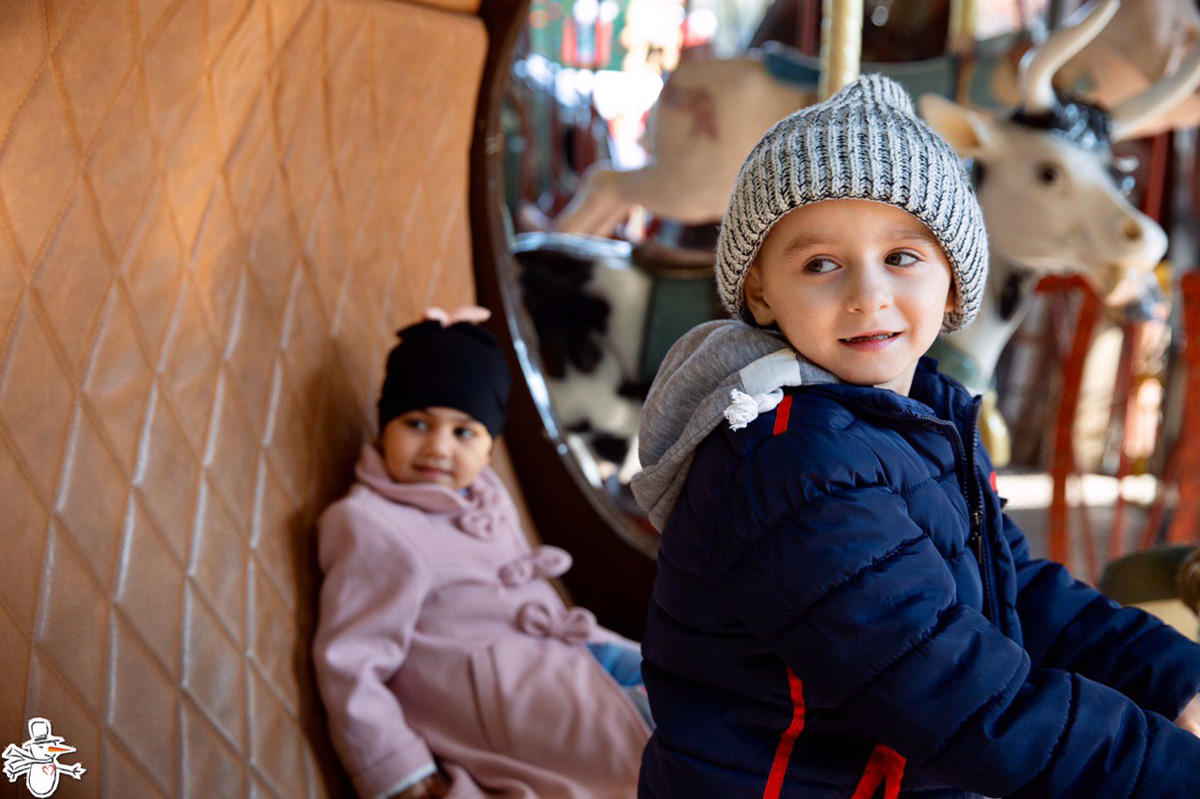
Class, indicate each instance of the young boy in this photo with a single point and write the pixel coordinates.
(438, 632)
(841, 608)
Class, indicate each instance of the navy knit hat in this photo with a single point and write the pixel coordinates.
(457, 366)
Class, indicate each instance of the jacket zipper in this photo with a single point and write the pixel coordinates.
(982, 551)
(964, 463)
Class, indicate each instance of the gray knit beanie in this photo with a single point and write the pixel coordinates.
(863, 143)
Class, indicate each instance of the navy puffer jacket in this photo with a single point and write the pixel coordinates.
(843, 610)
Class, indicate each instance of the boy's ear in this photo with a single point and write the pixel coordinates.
(756, 303)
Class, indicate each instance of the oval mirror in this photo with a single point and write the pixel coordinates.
(593, 288)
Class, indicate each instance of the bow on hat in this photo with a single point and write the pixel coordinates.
(473, 314)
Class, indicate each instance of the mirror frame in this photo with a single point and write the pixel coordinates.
(612, 573)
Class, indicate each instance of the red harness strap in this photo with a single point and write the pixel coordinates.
(886, 768)
(783, 752)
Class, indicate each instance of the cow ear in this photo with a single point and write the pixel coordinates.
(969, 132)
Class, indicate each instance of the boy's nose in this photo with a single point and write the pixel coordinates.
(868, 292)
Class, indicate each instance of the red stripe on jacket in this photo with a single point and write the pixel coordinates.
(782, 411)
(885, 767)
(783, 752)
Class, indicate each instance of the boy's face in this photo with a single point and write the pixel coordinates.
(436, 445)
(857, 287)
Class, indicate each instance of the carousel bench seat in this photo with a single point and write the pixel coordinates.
(213, 216)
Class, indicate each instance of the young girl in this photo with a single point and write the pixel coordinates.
(841, 609)
(439, 635)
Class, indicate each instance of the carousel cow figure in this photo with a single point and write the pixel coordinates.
(1051, 191)
(1049, 184)
(1050, 188)
(1145, 40)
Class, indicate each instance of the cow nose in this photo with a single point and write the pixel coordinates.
(1131, 230)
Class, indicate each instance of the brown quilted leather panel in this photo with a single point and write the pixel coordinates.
(213, 215)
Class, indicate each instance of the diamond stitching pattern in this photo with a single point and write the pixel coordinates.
(213, 216)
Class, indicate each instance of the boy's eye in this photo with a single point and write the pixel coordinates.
(464, 433)
(901, 259)
(820, 266)
(417, 424)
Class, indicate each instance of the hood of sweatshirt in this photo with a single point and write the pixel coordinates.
(724, 371)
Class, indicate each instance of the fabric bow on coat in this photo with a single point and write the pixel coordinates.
(574, 626)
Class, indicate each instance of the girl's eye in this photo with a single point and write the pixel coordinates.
(901, 259)
(464, 433)
(417, 424)
(820, 266)
(1048, 173)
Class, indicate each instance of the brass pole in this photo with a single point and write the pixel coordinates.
(841, 44)
(964, 20)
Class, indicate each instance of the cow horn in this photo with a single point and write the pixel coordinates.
(1040, 64)
(1158, 98)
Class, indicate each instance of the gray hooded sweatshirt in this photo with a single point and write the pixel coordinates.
(725, 370)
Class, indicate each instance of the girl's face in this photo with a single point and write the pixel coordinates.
(436, 445)
(859, 288)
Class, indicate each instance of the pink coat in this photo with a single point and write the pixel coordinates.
(439, 634)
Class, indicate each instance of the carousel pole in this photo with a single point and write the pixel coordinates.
(841, 44)
(960, 33)
(807, 23)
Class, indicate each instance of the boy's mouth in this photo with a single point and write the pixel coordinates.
(868, 338)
